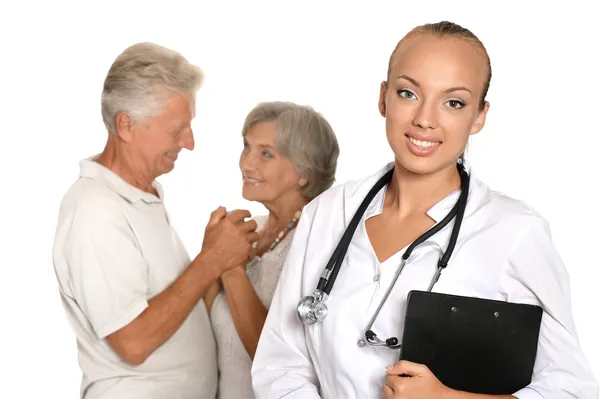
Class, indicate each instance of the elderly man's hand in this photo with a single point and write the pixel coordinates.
(228, 238)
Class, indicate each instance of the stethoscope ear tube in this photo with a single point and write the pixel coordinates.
(335, 262)
(461, 206)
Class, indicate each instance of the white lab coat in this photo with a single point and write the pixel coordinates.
(504, 252)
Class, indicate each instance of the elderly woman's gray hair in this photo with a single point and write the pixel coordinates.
(305, 137)
(141, 78)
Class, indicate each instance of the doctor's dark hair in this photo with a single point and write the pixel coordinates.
(305, 137)
(450, 30)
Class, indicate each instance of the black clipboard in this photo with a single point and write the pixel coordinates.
(471, 344)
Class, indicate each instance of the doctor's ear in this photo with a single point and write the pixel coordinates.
(480, 119)
(382, 93)
(302, 181)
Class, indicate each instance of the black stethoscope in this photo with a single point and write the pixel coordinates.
(312, 308)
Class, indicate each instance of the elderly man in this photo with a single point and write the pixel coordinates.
(130, 290)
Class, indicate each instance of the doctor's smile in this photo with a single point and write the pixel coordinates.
(420, 145)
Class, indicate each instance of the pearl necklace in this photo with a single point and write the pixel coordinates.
(289, 226)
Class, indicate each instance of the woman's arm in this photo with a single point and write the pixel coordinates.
(211, 294)
(247, 310)
(535, 274)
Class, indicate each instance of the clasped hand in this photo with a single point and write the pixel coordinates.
(228, 238)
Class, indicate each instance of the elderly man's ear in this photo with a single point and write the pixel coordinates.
(124, 127)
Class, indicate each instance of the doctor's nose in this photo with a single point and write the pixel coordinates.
(426, 116)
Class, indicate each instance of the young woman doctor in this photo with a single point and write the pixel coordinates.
(433, 100)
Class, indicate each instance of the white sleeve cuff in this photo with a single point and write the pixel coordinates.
(123, 319)
(528, 393)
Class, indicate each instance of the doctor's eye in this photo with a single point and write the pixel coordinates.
(409, 95)
(456, 104)
(267, 154)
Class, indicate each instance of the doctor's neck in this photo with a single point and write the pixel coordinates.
(411, 193)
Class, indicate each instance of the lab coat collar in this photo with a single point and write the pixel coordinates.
(357, 190)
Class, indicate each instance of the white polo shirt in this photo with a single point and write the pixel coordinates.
(114, 250)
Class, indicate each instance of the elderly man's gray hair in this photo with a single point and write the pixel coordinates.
(305, 137)
(141, 78)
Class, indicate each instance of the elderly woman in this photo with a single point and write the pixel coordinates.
(289, 157)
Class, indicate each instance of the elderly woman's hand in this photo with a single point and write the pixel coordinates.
(228, 239)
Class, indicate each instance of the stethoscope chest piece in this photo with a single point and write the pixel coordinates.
(312, 308)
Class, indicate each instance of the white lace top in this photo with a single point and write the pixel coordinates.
(234, 362)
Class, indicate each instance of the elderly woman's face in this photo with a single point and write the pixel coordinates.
(268, 176)
(432, 101)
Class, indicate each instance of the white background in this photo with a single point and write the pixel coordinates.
(540, 143)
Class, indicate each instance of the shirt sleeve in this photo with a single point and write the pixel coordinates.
(107, 272)
(535, 274)
(282, 366)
